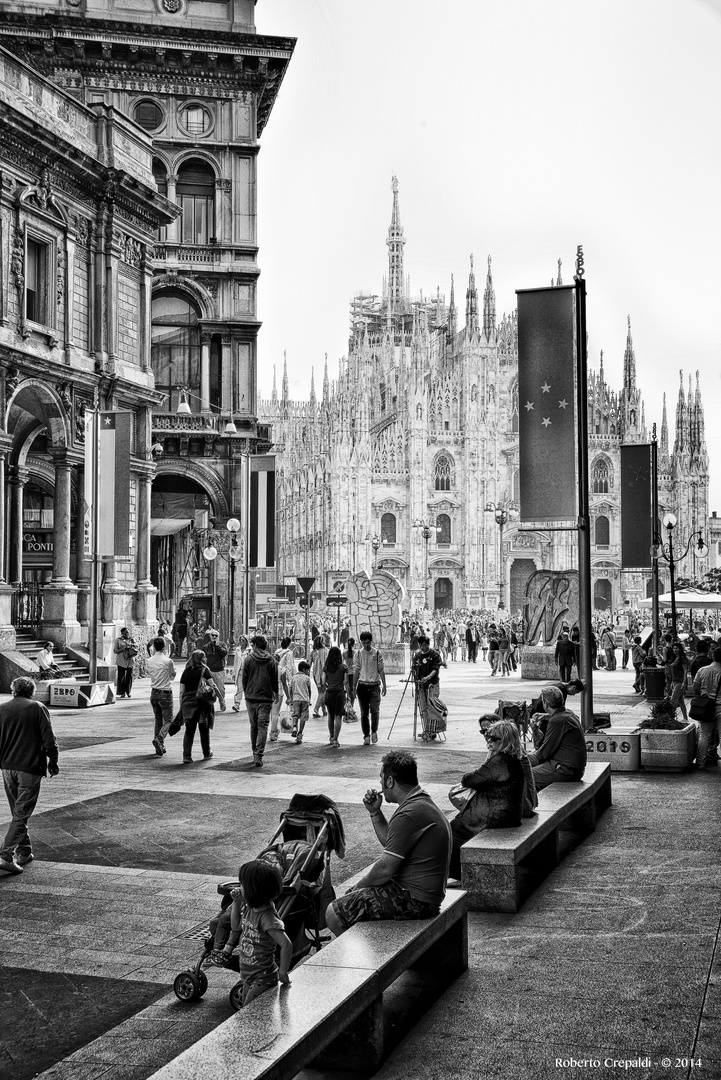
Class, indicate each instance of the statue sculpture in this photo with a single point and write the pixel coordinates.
(374, 604)
(552, 600)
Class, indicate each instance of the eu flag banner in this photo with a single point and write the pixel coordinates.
(114, 443)
(262, 511)
(636, 506)
(547, 405)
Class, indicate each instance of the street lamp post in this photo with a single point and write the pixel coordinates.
(659, 550)
(501, 513)
(375, 544)
(426, 531)
(228, 546)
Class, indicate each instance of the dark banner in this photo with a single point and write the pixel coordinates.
(262, 511)
(546, 405)
(636, 520)
(115, 433)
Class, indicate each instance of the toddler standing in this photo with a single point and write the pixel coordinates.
(261, 930)
(300, 690)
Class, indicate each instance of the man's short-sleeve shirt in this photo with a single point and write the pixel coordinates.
(420, 835)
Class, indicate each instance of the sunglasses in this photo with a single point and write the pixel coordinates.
(492, 738)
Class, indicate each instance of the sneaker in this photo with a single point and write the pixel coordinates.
(294, 733)
(366, 740)
(218, 958)
(158, 746)
(187, 761)
(273, 737)
(236, 708)
(299, 740)
(258, 762)
(223, 707)
(316, 715)
(23, 860)
(208, 755)
(10, 867)
(374, 737)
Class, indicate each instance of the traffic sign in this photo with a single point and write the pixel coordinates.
(306, 583)
(306, 601)
(336, 600)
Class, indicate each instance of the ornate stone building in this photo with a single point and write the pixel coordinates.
(78, 213)
(196, 76)
(420, 428)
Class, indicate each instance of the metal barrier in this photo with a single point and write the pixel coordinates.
(27, 606)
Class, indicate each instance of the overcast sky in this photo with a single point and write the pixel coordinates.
(517, 129)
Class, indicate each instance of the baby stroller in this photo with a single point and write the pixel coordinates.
(517, 712)
(309, 830)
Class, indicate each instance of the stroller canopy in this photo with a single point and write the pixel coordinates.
(317, 810)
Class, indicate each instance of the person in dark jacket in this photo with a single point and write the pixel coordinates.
(565, 656)
(28, 752)
(562, 754)
(197, 713)
(261, 687)
(215, 653)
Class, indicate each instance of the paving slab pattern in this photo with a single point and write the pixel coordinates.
(614, 956)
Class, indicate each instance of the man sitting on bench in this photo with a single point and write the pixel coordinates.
(408, 881)
(562, 754)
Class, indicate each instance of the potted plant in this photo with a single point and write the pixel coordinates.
(667, 744)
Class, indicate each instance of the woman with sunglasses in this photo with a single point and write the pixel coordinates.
(498, 786)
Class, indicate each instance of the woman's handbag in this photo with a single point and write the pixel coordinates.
(350, 716)
(460, 796)
(131, 651)
(206, 691)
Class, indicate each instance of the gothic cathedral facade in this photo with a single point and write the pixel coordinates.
(409, 459)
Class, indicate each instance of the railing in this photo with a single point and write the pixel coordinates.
(27, 606)
(38, 519)
(202, 422)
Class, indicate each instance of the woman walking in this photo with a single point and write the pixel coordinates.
(679, 670)
(196, 711)
(348, 661)
(335, 681)
(317, 663)
(426, 670)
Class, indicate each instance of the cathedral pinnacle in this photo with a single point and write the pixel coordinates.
(664, 431)
(489, 306)
(395, 242)
(452, 318)
(559, 279)
(285, 376)
(313, 399)
(274, 395)
(471, 304)
(629, 363)
(326, 384)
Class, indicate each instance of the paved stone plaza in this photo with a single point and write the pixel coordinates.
(615, 955)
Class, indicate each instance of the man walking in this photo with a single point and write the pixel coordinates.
(565, 654)
(125, 651)
(472, 642)
(28, 752)
(261, 687)
(215, 653)
(370, 683)
(162, 672)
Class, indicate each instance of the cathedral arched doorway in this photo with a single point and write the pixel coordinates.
(443, 593)
(521, 570)
(602, 595)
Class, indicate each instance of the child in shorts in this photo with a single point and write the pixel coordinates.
(262, 932)
(300, 691)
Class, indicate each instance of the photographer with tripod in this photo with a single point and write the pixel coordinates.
(426, 668)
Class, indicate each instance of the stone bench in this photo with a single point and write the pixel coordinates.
(332, 1014)
(500, 867)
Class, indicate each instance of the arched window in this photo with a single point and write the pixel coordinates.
(175, 353)
(603, 532)
(196, 196)
(443, 527)
(602, 594)
(600, 477)
(443, 473)
(388, 529)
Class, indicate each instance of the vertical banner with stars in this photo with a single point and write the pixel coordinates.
(546, 405)
(115, 431)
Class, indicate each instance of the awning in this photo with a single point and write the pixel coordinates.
(686, 598)
(168, 526)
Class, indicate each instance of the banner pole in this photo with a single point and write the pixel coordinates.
(656, 639)
(584, 519)
(94, 575)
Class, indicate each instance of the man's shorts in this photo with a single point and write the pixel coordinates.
(389, 901)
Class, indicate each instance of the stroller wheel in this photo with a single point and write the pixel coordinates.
(236, 996)
(203, 980)
(187, 986)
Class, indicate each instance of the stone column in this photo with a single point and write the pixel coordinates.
(146, 592)
(61, 523)
(205, 371)
(226, 401)
(7, 631)
(16, 482)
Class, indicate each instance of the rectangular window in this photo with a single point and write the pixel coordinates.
(197, 218)
(36, 281)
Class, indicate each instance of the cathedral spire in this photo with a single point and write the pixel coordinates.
(489, 306)
(313, 399)
(471, 304)
(680, 442)
(452, 314)
(395, 242)
(274, 395)
(285, 376)
(601, 378)
(559, 279)
(664, 431)
(629, 363)
(326, 384)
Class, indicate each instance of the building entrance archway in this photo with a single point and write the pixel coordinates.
(442, 593)
(521, 570)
